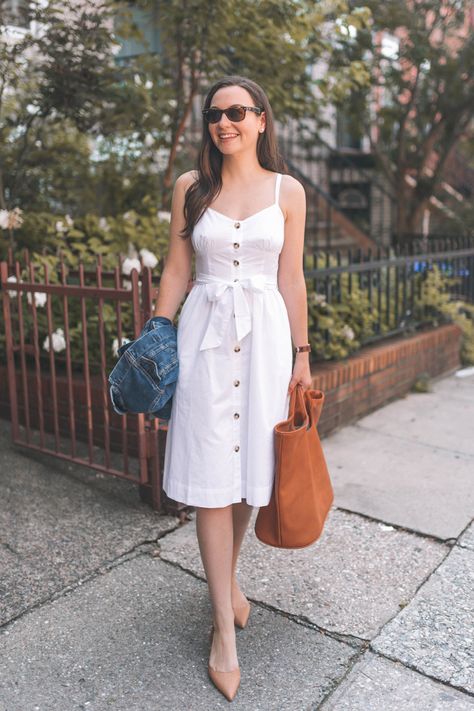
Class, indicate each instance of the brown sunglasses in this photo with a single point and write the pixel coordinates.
(233, 113)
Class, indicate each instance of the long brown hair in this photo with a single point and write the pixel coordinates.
(209, 163)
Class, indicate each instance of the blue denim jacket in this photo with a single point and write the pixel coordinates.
(144, 378)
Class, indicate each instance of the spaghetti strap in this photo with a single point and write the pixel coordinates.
(277, 187)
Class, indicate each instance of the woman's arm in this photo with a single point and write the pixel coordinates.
(291, 281)
(178, 262)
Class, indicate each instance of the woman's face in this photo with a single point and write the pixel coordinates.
(235, 137)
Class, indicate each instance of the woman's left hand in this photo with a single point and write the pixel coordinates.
(301, 374)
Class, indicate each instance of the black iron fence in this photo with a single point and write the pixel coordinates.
(365, 296)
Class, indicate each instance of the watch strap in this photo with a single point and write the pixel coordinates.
(301, 349)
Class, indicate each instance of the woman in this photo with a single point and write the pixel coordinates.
(244, 220)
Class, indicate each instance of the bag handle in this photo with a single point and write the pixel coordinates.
(315, 401)
(298, 413)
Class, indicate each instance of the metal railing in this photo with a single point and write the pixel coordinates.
(60, 328)
(390, 283)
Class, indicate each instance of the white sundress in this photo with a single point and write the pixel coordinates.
(235, 364)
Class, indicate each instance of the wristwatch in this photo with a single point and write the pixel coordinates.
(301, 349)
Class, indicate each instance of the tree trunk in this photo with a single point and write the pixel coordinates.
(167, 178)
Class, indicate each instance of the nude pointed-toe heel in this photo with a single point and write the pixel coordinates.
(226, 681)
(241, 615)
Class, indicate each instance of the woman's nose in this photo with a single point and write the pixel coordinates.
(224, 122)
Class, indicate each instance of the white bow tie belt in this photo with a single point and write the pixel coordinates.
(229, 296)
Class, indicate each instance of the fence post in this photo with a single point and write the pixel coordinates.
(137, 325)
(151, 425)
(10, 356)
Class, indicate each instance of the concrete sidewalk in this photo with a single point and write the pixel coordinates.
(104, 604)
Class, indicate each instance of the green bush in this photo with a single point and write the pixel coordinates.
(81, 241)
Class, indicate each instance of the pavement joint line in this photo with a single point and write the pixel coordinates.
(421, 672)
(390, 435)
(398, 612)
(350, 665)
(398, 527)
(367, 646)
(102, 569)
(415, 593)
(459, 543)
(351, 640)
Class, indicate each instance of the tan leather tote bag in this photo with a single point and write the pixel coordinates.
(302, 491)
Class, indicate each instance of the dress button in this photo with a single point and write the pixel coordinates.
(236, 448)
(236, 245)
(236, 349)
(236, 382)
(236, 262)
(236, 225)
(236, 415)
(236, 280)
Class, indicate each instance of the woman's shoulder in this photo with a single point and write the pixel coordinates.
(185, 180)
(291, 185)
(292, 194)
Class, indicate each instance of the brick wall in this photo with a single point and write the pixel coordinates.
(380, 373)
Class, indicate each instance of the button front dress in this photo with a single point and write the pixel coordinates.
(235, 364)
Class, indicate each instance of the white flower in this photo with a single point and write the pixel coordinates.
(115, 345)
(60, 226)
(129, 216)
(148, 258)
(137, 79)
(59, 344)
(149, 140)
(69, 220)
(319, 299)
(148, 84)
(164, 215)
(348, 332)
(172, 102)
(40, 298)
(11, 220)
(126, 184)
(130, 263)
(127, 284)
(103, 224)
(13, 294)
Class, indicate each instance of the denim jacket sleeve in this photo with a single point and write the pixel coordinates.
(144, 378)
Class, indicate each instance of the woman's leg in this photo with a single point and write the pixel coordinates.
(241, 514)
(214, 529)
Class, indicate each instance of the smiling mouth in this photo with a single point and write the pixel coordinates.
(227, 137)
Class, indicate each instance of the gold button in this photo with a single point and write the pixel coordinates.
(236, 448)
(236, 262)
(236, 382)
(236, 415)
(236, 349)
(236, 225)
(236, 245)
